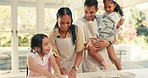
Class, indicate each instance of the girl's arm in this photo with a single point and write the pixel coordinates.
(120, 22)
(37, 69)
(62, 69)
(55, 66)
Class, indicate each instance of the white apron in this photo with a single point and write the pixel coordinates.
(90, 30)
(67, 52)
(89, 63)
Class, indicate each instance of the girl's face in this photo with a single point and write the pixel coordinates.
(45, 45)
(109, 6)
(90, 12)
(64, 22)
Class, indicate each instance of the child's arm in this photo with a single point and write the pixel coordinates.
(120, 22)
(37, 69)
(55, 66)
(62, 69)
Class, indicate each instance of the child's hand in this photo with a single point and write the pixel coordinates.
(63, 71)
(58, 75)
(121, 21)
(50, 76)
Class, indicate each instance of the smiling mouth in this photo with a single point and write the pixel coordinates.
(65, 28)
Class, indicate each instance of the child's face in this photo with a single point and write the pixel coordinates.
(109, 6)
(64, 22)
(90, 12)
(45, 45)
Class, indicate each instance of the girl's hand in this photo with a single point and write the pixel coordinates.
(50, 75)
(120, 22)
(63, 71)
(72, 73)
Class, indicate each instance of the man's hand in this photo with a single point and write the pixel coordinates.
(89, 44)
(100, 44)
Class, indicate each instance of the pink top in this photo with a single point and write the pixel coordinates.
(44, 64)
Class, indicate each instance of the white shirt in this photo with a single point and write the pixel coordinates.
(107, 25)
(89, 28)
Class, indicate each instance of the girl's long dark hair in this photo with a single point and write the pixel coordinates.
(117, 9)
(66, 11)
(36, 41)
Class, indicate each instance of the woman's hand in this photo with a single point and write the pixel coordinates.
(72, 73)
(63, 71)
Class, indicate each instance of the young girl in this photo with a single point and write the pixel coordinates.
(40, 58)
(108, 27)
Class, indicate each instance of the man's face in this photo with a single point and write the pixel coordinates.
(90, 12)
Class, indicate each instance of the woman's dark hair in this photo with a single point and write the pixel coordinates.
(66, 11)
(91, 3)
(117, 9)
(37, 40)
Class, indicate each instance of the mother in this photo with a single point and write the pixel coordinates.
(67, 42)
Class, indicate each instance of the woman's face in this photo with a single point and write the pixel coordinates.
(64, 22)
